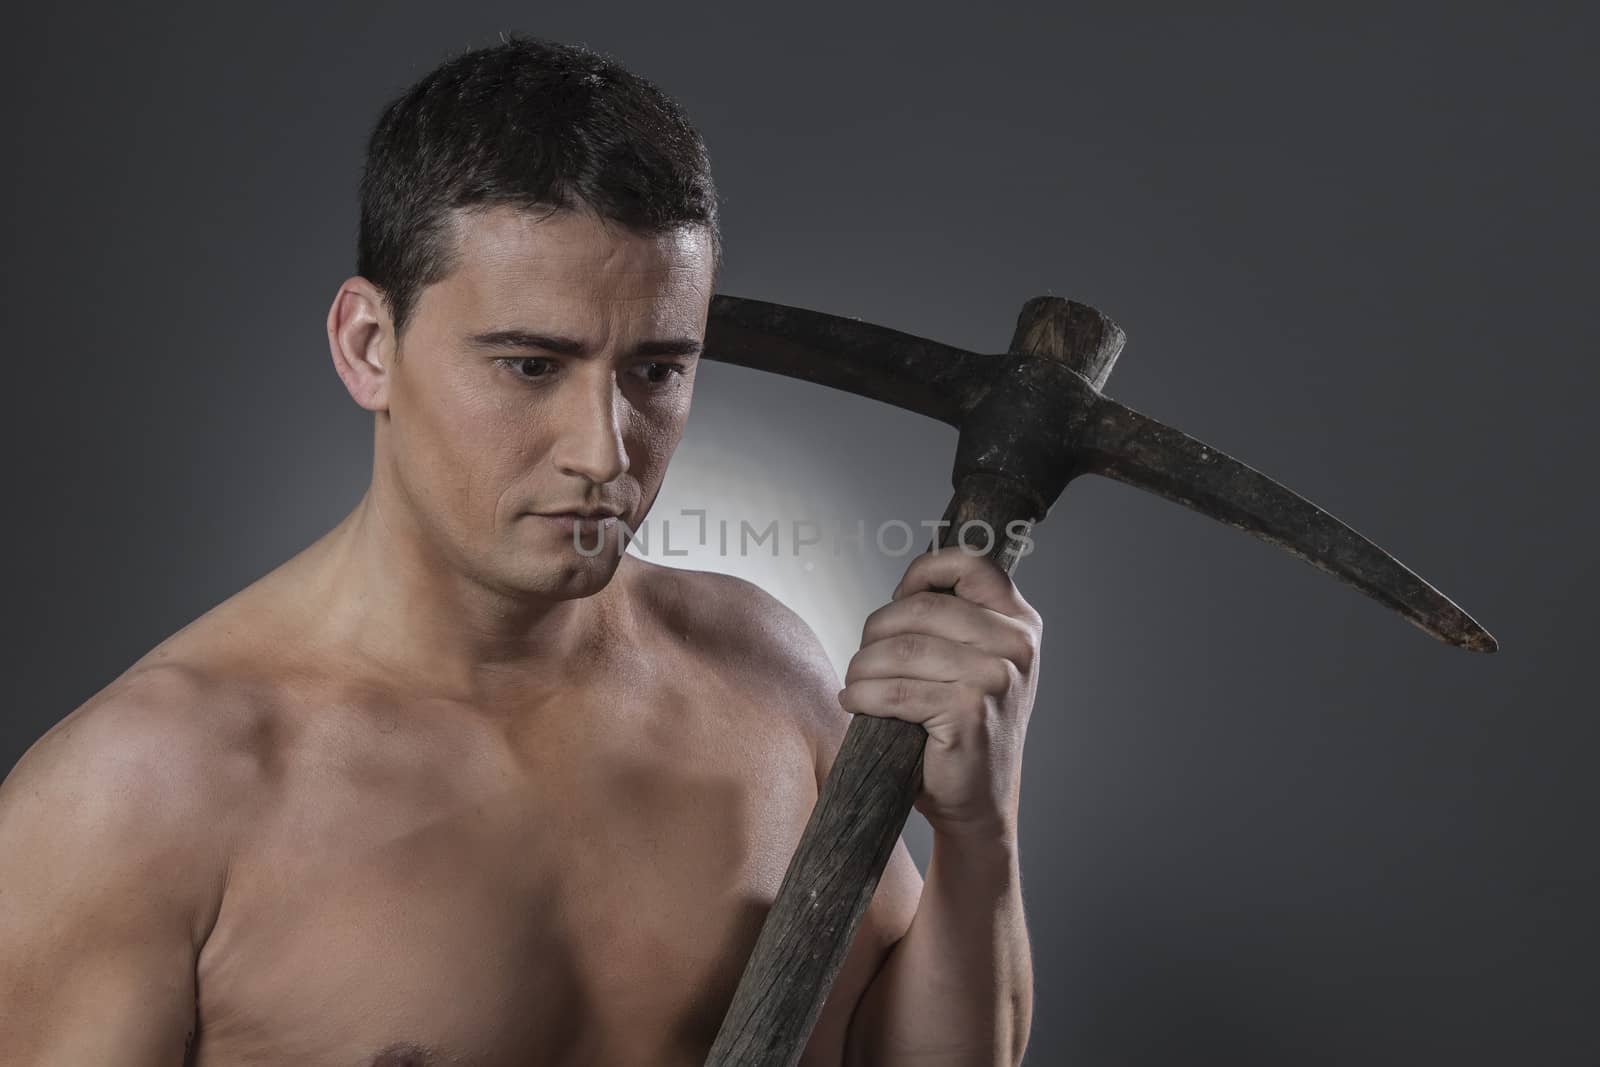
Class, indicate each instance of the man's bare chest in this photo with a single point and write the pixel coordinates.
(587, 899)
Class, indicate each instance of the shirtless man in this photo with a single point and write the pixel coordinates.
(442, 788)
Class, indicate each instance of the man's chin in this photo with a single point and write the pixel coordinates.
(564, 576)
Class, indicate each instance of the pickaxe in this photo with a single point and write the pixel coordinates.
(1030, 420)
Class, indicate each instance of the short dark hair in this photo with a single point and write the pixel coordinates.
(533, 123)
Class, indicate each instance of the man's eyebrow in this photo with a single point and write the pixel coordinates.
(669, 346)
(571, 346)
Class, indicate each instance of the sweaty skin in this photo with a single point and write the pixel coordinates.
(440, 789)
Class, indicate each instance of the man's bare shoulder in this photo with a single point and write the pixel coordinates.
(142, 782)
(143, 718)
(746, 630)
(740, 619)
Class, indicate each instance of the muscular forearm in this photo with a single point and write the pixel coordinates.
(957, 989)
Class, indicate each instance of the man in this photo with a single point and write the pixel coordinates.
(449, 787)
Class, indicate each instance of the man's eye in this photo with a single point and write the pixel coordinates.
(529, 367)
(660, 373)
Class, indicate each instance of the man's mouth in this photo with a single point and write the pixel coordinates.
(593, 521)
(580, 513)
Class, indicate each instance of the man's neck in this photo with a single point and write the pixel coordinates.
(386, 594)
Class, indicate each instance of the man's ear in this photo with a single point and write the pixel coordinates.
(361, 340)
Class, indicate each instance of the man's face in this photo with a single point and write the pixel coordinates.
(551, 371)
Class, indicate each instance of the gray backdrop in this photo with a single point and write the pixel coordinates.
(1265, 822)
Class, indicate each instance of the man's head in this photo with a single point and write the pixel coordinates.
(538, 247)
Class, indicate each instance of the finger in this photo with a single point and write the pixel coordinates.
(977, 579)
(957, 620)
(910, 699)
(928, 658)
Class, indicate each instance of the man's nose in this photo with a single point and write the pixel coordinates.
(590, 444)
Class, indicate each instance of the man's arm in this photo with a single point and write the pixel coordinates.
(957, 989)
(956, 986)
(109, 881)
(939, 975)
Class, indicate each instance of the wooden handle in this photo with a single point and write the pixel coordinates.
(878, 770)
(853, 828)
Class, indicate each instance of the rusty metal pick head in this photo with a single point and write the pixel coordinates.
(1120, 443)
(1038, 422)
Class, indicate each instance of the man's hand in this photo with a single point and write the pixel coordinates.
(965, 666)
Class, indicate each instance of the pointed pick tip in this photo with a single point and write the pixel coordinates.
(1468, 635)
(1459, 630)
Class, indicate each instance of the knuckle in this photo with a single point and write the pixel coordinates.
(1026, 643)
(873, 622)
(1003, 676)
(908, 646)
(1020, 683)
